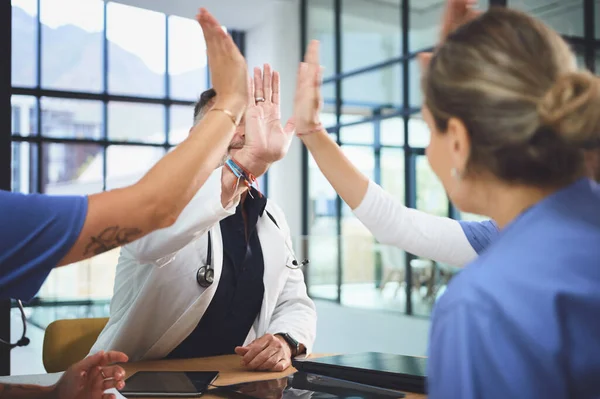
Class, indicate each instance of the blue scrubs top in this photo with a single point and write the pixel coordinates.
(480, 234)
(523, 320)
(36, 232)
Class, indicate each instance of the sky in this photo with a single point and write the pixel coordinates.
(139, 31)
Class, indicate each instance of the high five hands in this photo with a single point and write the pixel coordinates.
(266, 140)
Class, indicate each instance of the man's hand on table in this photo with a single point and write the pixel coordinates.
(267, 353)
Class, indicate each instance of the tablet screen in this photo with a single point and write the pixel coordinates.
(166, 383)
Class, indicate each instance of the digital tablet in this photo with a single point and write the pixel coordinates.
(309, 386)
(156, 384)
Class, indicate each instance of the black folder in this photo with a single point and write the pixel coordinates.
(405, 373)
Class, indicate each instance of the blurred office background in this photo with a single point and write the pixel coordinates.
(102, 89)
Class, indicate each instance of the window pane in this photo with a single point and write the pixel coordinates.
(597, 24)
(415, 92)
(126, 164)
(425, 19)
(24, 43)
(182, 119)
(328, 92)
(473, 217)
(328, 118)
(580, 58)
(431, 196)
(566, 17)
(24, 115)
(136, 122)
(89, 279)
(187, 59)
(363, 158)
(378, 89)
(321, 26)
(358, 134)
(323, 240)
(79, 119)
(418, 132)
(72, 169)
(392, 172)
(370, 33)
(24, 168)
(136, 57)
(358, 260)
(72, 56)
(392, 131)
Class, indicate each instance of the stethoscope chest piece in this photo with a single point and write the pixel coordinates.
(205, 276)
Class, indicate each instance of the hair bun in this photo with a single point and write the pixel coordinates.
(571, 109)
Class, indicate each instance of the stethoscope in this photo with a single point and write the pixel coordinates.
(23, 341)
(206, 273)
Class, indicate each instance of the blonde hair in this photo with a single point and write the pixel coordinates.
(515, 85)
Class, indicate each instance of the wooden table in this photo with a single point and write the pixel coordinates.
(230, 370)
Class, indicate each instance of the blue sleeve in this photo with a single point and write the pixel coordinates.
(480, 234)
(475, 353)
(36, 232)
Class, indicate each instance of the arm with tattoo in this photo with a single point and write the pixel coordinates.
(18, 391)
(117, 217)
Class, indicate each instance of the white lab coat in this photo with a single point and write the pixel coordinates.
(157, 302)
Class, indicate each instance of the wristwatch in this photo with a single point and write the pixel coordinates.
(294, 345)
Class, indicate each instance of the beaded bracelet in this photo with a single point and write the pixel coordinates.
(241, 173)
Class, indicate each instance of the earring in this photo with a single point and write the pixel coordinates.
(455, 174)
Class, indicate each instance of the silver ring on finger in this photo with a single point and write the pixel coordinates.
(102, 374)
(259, 100)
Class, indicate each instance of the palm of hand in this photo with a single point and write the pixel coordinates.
(265, 133)
(307, 102)
(308, 99)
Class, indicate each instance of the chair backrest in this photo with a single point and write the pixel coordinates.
(68, 341)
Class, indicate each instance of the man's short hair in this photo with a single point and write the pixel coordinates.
(200, 108)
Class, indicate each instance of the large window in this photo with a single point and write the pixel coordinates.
(101, 91)
(372, 109)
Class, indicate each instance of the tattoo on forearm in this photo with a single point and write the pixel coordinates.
(14, 391)
(111, 238)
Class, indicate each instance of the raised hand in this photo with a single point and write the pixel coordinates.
(266, 140)
(89, 378)
(228, 70)
(308, 99)
(456, 13)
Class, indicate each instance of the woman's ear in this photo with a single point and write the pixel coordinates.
(459, 144)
